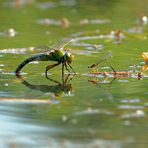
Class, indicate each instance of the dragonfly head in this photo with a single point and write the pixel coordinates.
(68, 57)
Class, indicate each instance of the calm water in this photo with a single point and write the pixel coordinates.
(84, 110)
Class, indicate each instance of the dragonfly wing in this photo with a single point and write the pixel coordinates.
(103, 58)
(63, 43)
(48, 49)
(45, 49)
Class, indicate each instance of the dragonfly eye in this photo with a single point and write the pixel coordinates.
(69, 57)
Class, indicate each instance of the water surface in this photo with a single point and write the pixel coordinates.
(87, 110)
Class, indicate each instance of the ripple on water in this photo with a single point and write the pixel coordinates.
(146, 104)
(23, 101)
(123, 81)
(48, 21)
(17, 50)
(1, 55)
(91, 111)
(13, 73)
(130, 107)
(88, 46)
(46, 5)
(134, 100)
(20, 133)
(43, 141)
(2, 65)
(136, 30)
(137, 114)
(94, 21)
(4, 93)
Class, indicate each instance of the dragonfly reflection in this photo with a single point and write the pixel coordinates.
(58, 88)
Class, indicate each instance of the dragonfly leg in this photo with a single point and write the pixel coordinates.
(63, 69)
(67, 68)
(71, 68)
(105, 57)
(49, 67)
(111, 66)
(94, 65)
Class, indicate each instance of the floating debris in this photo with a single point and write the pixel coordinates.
(64, 118)
(10, 32)
(6, 84)
(118, 36)
(144, 20)
(117, 74)
(63, 22)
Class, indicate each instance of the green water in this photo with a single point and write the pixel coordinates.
(85, 111)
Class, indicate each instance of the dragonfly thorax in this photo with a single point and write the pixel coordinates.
(68, 57)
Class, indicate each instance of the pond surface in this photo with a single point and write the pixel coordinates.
(82, 110)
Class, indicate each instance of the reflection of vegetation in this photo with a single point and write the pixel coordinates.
(57, 89)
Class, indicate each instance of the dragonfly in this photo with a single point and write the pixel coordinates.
(103, 58)
(113, 73)
(52, 54)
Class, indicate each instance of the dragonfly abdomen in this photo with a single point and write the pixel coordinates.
(24, 63)
(40, 57)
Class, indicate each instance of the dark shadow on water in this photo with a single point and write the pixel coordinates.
(57, 88)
